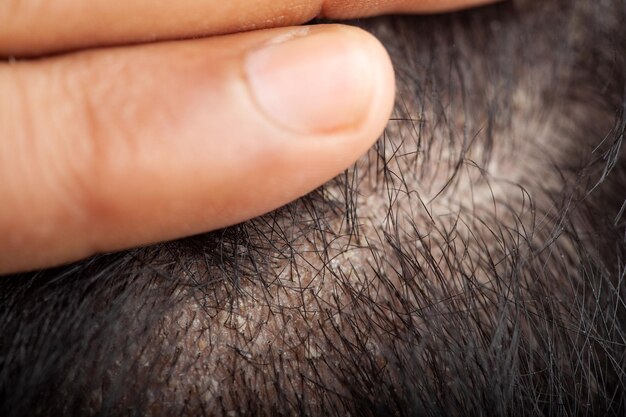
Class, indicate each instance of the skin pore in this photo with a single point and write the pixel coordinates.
(472, 262)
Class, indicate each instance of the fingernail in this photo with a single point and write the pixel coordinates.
(313, 81)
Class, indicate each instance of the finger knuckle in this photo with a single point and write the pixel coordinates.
(100, 142)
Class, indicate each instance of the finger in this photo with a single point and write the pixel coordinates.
(30, 27)
(109, 149)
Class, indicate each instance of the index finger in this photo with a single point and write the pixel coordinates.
(30, 27)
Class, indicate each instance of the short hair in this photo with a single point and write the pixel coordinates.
(471, 263)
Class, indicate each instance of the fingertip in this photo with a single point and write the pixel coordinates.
(383, 85)
(321, 80)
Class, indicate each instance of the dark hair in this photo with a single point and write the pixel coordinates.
(472, 263)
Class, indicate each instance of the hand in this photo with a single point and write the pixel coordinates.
(105, 149)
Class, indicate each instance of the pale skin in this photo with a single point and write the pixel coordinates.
(106, 146)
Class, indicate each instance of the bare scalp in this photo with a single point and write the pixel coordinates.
(471, 263)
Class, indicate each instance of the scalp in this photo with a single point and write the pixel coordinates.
(470, 263)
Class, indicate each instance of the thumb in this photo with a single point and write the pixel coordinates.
(110, 149)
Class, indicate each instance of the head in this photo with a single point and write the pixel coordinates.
(472, 262)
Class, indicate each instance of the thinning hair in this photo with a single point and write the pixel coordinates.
(472, 263)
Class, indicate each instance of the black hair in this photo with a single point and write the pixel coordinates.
(472, 263)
